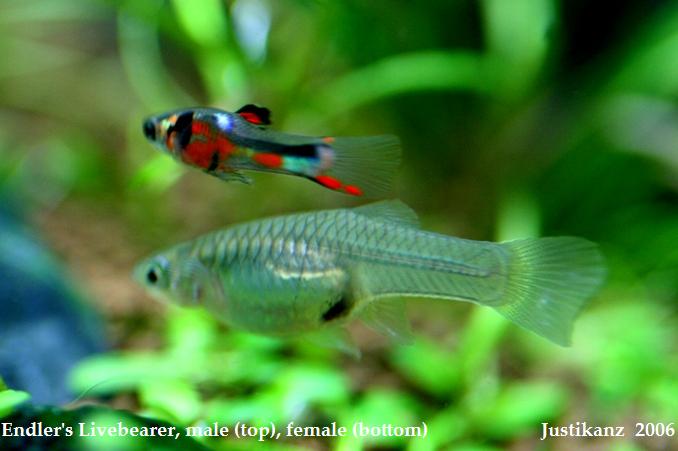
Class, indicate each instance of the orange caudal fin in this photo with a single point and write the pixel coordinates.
(363, 166)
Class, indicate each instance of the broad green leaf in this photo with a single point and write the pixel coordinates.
(10, 399)
(429, 366)
(520, 408)
(177, 398)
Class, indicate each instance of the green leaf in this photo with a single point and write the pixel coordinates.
(10, 399)
(379, 410)
(443, 428)
(403, 73)
(303, 386)
(191, 333)
(518, 38)
(203, 20)
(519, 409)
(429, 366)
(156, 175)
(115, 373)
(177, 398)
(256, 409)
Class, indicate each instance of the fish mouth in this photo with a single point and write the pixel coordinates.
(149, 129)
(139, 273)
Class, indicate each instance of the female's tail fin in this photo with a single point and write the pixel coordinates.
(363, 166)
(550, 280)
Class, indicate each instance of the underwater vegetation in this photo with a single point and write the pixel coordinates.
(517, 120)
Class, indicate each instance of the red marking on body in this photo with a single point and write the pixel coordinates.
(251, 117)
(328, 140)
(200, 128)
(200, 152)
(353, 190)
(329, 182)
(270, 160)
(224, 146)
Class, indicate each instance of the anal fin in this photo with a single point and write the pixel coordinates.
(388, 317)
(385, 315)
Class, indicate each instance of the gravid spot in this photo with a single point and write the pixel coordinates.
(337, 310)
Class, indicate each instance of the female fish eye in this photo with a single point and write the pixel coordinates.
(152, 275)
(149, 129)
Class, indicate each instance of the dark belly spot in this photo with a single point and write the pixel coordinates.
(337, 310)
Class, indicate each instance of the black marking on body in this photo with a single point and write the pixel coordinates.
(297, 150)
(183, 129)
(214, 162)
(339, 309)
(304, 150)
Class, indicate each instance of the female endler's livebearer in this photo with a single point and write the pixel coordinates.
(316, 271)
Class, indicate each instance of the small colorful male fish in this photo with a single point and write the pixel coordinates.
(306, 272)
(222, 143)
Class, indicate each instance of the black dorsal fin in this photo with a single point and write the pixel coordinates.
(257, 115)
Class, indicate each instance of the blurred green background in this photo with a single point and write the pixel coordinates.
(518, 118)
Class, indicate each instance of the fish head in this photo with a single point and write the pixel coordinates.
(169, 131)
(181, 280)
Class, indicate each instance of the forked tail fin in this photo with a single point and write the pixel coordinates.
(363, 166)
(550, 280)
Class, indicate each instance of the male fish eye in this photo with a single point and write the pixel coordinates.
(149, 129)
(152, 276)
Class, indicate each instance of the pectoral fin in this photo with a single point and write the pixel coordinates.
(333, 337)
(232, 176)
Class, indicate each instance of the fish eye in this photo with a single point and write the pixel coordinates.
(149, 129)
(152, 276)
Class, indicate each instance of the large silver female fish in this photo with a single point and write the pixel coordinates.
(301, 273)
